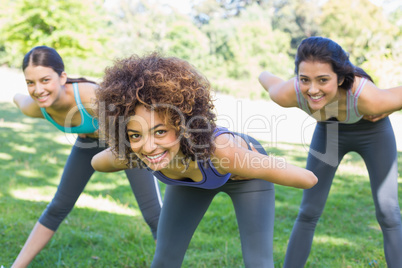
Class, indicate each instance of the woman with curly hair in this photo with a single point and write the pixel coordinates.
(68, 104)
(158, 113)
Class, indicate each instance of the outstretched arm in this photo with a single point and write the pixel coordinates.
(280, 91)
(107, 161)
(233, 158)
(27, 105)
(374, 101)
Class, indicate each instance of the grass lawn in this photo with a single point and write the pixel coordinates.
(106, 229)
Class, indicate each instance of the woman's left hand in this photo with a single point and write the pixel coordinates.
(375, 118)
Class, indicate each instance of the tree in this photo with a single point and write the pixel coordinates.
(140, 26)
(359, 26)
(71, 27)
(298, 18)
(240, 47)
(206, 10)
(186, 41)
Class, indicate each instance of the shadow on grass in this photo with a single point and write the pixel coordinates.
(87, 238)
(32, 157)
(347, 231)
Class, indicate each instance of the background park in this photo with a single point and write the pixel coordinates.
(231, 42)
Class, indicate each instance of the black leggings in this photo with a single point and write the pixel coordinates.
(76, 174)
(375, 142)
(184, 207)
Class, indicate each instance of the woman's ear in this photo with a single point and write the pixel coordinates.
(340, 80)
(63, 78)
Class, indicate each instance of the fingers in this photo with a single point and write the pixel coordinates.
(253, 148)
(375, 118)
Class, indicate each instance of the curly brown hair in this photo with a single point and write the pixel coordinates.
(170, 86)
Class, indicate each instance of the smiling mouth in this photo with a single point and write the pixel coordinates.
(317, 97)
(42, 98)
(155, 158)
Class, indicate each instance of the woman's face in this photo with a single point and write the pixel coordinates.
(318, 83)
(44, 84)
(154, 142)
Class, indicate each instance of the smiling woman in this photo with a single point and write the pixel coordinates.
(67, 104)
(341, 97)
(160, 116)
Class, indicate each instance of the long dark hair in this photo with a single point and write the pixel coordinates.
(48, 57)
(325, 50)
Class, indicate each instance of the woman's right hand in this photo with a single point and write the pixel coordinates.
(107, 161)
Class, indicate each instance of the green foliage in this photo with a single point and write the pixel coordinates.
(372, 40)
(71, 27)
(298, 18)
(138, 27)
(395, 17)
(227, 40)
(364, 34)
(186, 41)
(221, 53)
(383, 70)
(258, 47)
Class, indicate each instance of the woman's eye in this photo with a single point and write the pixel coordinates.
(160, 132)
(323, 80)
(303, 80)
(134, 136)
(29, 83)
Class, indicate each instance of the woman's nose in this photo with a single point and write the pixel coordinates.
(313, 89)
(38, 89)
(149, 145)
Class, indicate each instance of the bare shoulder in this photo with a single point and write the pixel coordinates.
(224, 140)
(227, 145)
(356, 84)
(27, 105)
(87, 92)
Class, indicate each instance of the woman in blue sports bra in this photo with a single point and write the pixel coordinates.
(67, 103)
(340, 96)
(162, 119)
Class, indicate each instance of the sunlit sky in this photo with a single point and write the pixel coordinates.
(390, 6)
(181, 5)
(184, 5)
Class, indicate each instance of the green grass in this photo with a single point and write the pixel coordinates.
(105, 229)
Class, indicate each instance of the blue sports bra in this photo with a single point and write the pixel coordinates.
(352, 113)
(88, 123)
(211, 178)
